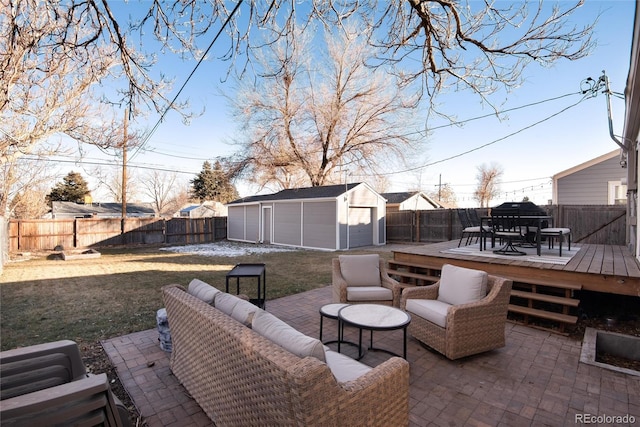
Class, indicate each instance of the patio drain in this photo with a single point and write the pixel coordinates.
(613, 343)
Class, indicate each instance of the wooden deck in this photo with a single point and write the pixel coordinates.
(600, 268)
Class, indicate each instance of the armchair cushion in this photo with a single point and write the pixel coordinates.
(432, 310)
(202, 290)
(369, 293)
(360, 270)
(461, 285)
(287, 337)
(345, 368)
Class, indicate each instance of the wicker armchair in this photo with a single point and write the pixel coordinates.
(469, 328)
(359, 279)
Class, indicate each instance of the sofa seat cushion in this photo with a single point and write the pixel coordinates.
(360, 270)
(287, 337)
(202, 290)
(429, 309)
(369, 293)
(461, 285)
(237, 308)
(345, 368)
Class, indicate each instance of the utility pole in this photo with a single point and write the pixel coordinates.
(124, 163)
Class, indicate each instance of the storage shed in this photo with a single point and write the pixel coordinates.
(332, 217)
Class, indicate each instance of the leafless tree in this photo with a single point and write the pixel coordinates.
(160, 187)
(488, 183)
(52, 53)
(309, 122)
(20, 180)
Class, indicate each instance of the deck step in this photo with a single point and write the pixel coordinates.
(418, 276)
(543, 314)
(571, 302)
(411, 273)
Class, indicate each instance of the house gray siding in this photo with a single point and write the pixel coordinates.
(589, 186)
(319, 219)
(286, 223)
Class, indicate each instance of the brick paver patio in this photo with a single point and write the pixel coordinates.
(536, 380)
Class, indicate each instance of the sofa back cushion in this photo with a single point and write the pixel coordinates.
(461, 285)
(287, 337)
(237, 308)
(202, 290)
(360, 270)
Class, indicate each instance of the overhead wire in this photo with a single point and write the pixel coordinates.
(488, 143)
(204, 55)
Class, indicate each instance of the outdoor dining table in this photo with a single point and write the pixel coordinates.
(484, 221)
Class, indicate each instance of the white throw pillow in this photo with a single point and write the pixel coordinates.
(202, 290)
(243, 311)
(345, 368)
(460, 285)
(360, 270)
(287, 337)
(226, 302)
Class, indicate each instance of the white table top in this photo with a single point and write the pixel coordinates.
(374, 316)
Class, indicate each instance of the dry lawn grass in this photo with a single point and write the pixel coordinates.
(88, 300)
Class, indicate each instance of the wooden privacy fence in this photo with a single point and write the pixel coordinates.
(43, 234)
(591, 224)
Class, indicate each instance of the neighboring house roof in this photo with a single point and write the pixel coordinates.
(326, 191)
(100, 209)
(587, 164)
(397, 198)
(189, 208)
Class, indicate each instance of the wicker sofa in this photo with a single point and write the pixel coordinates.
(233, 368)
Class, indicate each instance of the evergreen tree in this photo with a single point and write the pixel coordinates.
(73, 188)
(213, 184)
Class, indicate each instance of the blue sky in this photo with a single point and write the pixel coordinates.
(529, 158)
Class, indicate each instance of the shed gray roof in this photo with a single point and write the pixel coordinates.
(324, 191)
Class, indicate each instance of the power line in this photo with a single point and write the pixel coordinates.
(164, 113)
(488, 143)
(105, 163)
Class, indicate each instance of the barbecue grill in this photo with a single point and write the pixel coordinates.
(521, 209)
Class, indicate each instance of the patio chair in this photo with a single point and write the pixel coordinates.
(47, 384)
(509, 229)
(462, 314)
(469, 230)
(557, 233)
(363, 279)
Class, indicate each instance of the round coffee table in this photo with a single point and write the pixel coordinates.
(374, 317)
(330, 311)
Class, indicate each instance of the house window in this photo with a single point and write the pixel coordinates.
(617, 193)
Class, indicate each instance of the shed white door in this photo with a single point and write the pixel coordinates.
(360, 227)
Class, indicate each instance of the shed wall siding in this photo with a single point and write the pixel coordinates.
(235, 223)
(286, 223)
(253, 223)
(362, 196)
(589, 186)
(319, 219)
